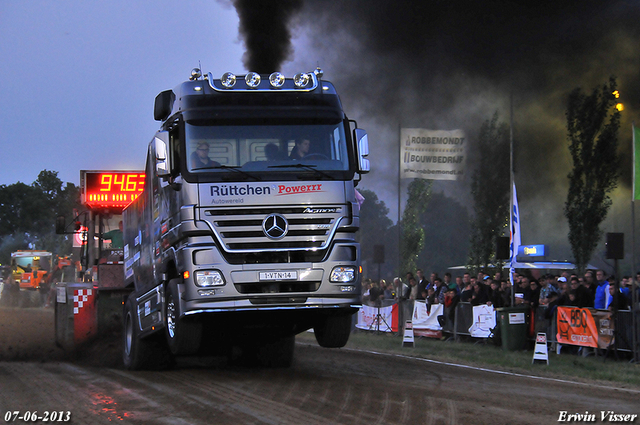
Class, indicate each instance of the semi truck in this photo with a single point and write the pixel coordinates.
(244, 234)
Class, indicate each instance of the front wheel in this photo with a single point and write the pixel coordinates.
(183, 335)
(333, 331)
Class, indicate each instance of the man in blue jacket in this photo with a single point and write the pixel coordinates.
(602, 291)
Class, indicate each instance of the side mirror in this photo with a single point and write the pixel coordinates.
(161, 141)
(163, 105)
(363, 150)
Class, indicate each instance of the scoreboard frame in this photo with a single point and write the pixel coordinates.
(110, 189)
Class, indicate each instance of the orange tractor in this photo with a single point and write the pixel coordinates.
(29, 273)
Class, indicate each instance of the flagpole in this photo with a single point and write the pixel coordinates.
(511, 186)
(399, 201)
(634, 292)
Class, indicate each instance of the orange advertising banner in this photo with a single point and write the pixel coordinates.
(576, 326)
(584, 326)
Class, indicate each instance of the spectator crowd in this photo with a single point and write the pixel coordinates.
(593, 289)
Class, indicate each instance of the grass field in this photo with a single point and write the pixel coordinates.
(610, 371)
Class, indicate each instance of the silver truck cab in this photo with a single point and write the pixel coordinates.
(244, 234)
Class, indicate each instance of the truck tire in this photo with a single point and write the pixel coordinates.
(333, 331)
(183, 335)
(136, 352)
(142, 353)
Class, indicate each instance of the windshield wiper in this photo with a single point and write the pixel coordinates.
(235, 168)
(310, 167)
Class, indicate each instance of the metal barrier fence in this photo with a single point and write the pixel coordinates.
(624, 324)
(543, 322)
(546, 323)
(463, 320)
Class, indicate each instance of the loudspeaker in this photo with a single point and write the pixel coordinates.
(615, 246)
(378, 254)
(61, 225)
(502, 248)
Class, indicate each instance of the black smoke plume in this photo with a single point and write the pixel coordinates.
(264, 26)
(448, 65)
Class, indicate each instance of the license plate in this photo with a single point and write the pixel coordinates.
(293, 275)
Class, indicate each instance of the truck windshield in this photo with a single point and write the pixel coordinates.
(320, 149)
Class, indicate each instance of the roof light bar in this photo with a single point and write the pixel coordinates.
(303, 81)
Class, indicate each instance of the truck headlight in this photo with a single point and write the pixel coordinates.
(206, 278)
(343, 274)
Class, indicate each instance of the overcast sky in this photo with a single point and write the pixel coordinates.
(78, 80)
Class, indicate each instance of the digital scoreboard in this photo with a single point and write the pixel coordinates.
(112, 190)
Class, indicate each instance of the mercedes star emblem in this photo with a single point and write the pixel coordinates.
(275, 226)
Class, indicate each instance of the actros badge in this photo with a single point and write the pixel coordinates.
(275, 226)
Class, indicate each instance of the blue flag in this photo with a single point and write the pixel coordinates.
(515, 226)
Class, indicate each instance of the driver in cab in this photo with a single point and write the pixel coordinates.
(301, 149)
(200, 157)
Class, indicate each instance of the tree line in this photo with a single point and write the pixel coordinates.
(28, 215)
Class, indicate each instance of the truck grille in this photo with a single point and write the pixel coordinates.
(307, 227)
(276, 287)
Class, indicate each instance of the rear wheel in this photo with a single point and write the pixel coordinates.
(333, 331)
(136, 352)
(183, 335)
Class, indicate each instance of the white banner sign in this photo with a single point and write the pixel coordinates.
(426, 320)
(484, 319)
(374, 319)
(432, 154)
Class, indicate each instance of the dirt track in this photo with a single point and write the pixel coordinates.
(324, 386)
